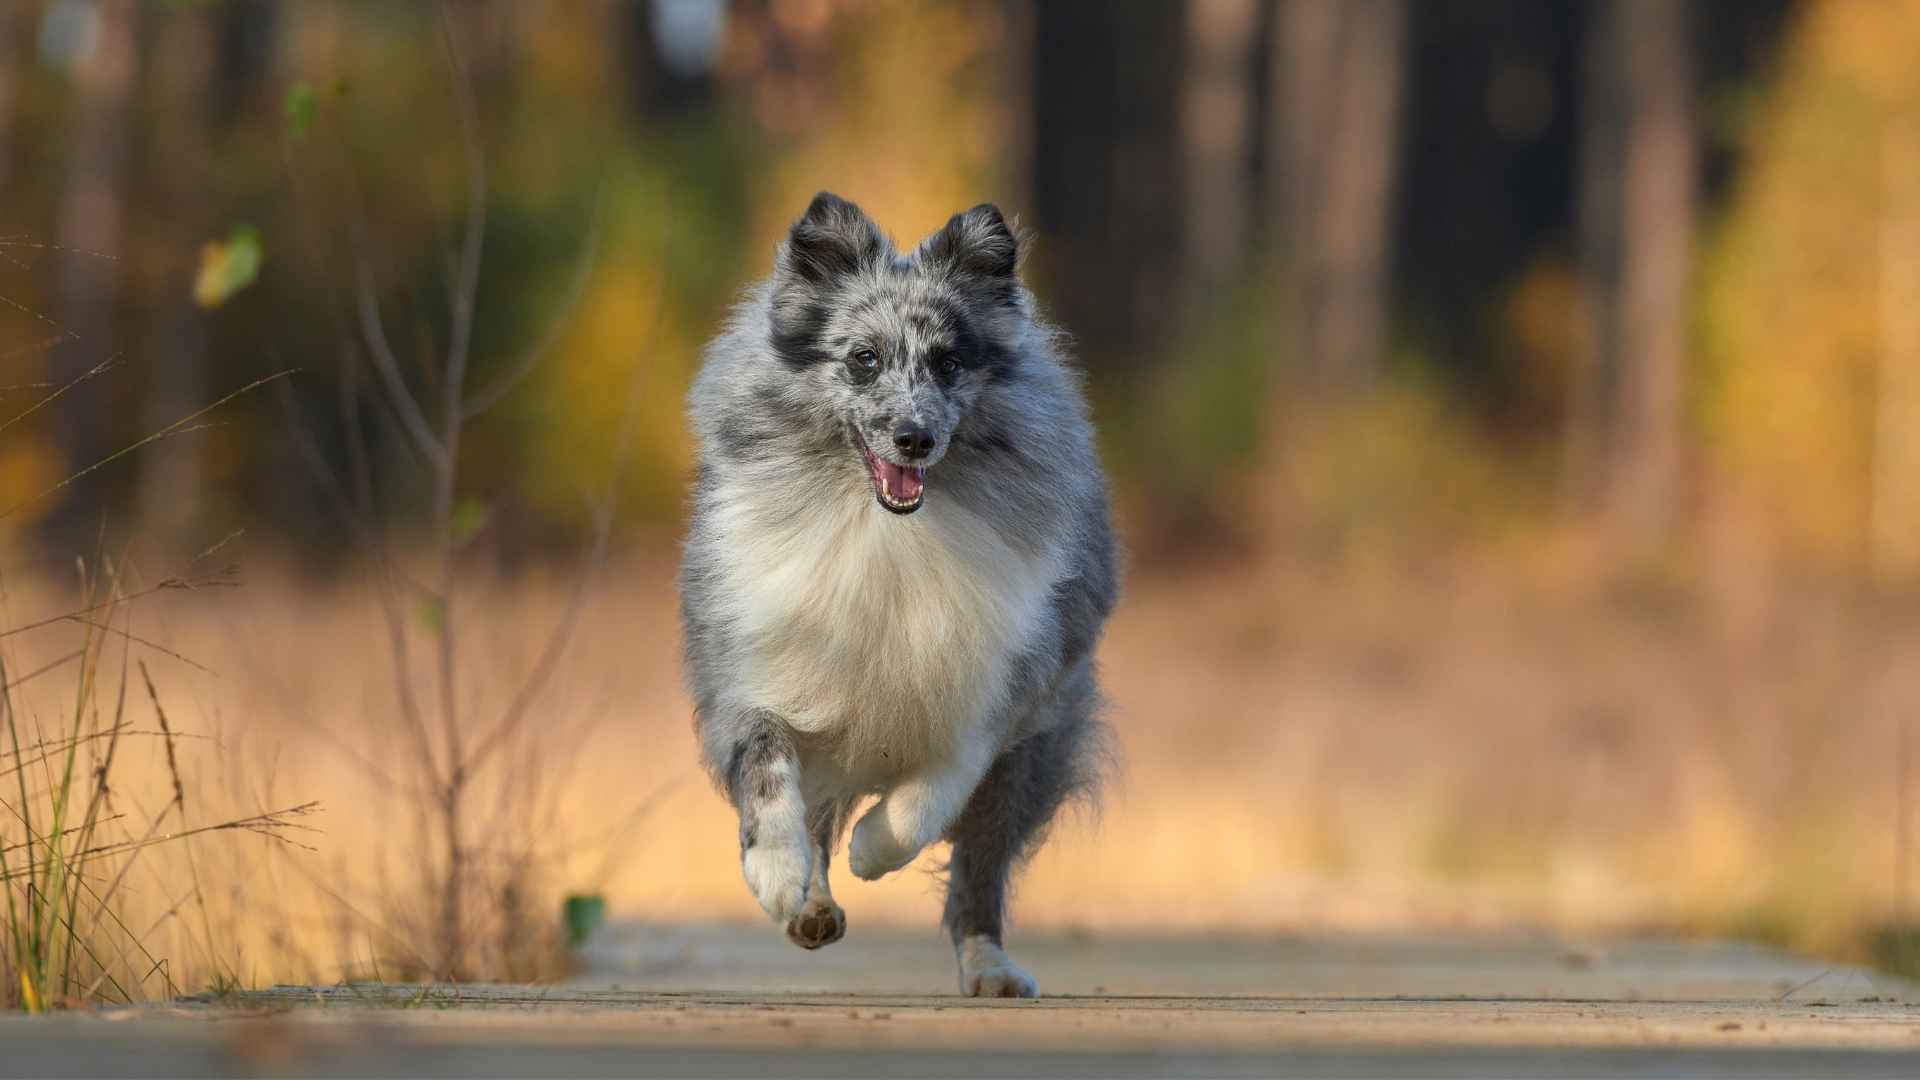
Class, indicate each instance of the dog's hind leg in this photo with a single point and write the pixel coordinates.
(820, 921)
(776, 846)
(1002, 823)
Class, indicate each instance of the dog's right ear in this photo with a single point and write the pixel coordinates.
(832, 239)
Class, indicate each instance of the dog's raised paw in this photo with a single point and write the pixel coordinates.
(817, 924)
(777, 875)
(874, 852)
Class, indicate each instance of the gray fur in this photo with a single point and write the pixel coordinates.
(941, 659)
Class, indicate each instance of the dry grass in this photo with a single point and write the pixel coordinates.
(73, 841)
(1511, 737)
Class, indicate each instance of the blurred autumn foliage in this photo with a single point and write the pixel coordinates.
(1465, 236)
(1809, 310)
(1522, 398)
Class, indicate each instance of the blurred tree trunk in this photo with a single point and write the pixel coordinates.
(1219, 107)
(246, 48)
(490, 35)
(1337, 70)
(1108, 177)
(90, 219)
(1638, 160)
(665, 72)
(179, 84)
(16, 52)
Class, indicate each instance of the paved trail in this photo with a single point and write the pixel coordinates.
(737, 1001)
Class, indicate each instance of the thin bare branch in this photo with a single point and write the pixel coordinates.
(273, 825)
(35, 839)
(412, 420)
(155, 437)
(464, 299)
(357, 516)
(399, 941)
(220, 579)
(22, 241)
(50, 665)
(562, 633)
(467, 283)
(48, 751)
(389, 572)
(40, 317)
(583, 269)
(146, 642)
(614, 841)
(223, 541)
(100, 368)
(551, 654)
(356, 512)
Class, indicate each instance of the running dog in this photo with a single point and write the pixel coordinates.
(898, 566)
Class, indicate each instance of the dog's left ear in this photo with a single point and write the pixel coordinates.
(978, 243)
(832, 239)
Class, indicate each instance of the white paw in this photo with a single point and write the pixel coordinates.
(987, 971)
(1003, 980)
(874, 851)
(777, 875)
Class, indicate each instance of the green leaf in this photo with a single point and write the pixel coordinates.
(582, 914)
(431, 613)
(302, 104)
(469, 517)
(226, 268)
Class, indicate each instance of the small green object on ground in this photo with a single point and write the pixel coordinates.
(583, 914)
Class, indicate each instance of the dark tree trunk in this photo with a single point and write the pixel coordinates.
(91, 218)
(16, 49)
(1334, 109)
(171, 356)
(247, 35)
(1220, 103)
(1108, 176)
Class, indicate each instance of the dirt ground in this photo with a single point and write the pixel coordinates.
(731, 1000)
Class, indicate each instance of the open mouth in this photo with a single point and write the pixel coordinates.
(898, 488)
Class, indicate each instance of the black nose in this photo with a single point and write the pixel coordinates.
(913, 440)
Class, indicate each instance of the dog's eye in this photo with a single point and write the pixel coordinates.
(948, 364)
(866, 359)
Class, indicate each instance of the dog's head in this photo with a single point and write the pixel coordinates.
(899, 347)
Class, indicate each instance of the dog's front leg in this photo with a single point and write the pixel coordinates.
(776, 849)
(915, 813)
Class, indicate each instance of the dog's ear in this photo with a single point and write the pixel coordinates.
(832, 239)
(978, 242)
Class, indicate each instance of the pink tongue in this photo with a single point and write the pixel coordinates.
(903, 482)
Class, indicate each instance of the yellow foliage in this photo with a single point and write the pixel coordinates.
(28, 466)
(569, 48)
(1791, 318)
(1394, 468)
(1546, 318)
(618, 326)
(898, 129)
(227, 267)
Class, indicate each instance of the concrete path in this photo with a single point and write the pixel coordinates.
(739, 1001)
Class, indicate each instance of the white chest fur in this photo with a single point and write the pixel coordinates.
(890, 636)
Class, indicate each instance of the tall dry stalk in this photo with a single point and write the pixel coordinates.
(67, 844)
(430, 400)
(68, 838)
